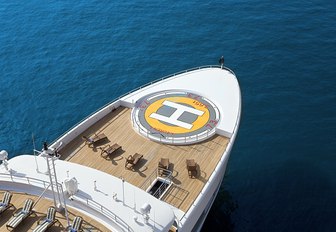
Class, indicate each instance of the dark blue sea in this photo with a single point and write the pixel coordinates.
(62, 60)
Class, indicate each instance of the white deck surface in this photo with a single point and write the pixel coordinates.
(218, 85)
(161, 214)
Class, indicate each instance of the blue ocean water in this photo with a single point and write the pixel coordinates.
(62, 60)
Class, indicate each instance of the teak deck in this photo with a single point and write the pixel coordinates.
(40, 212)
(117, 126)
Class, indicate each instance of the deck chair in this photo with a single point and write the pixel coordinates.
(91, 141)
(76, 225)
(191, 167)
(48, 221)
(109, 150)
(5, 203)
(21, 214)
(163, 165)
(132, 160)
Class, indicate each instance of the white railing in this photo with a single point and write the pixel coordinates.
(175, 140)
(90, 203)
(30, 181)
(104, 211)
(165, 176)
(25, 180)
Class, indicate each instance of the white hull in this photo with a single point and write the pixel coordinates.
(194, 217)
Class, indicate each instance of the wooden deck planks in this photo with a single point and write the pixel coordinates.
(118, 127)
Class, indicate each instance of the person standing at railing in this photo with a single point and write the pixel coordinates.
(221, 61)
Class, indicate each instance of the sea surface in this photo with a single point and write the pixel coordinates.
(62, 60)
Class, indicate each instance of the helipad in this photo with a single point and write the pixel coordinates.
(175, 117)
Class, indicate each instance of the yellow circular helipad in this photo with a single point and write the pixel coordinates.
(172, 116)
(171, 123)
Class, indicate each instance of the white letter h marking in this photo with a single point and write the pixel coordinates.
(173, 119)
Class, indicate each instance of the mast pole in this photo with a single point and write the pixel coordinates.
(37, 168)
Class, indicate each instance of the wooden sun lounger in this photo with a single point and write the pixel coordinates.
(91, 141)
(132, 160)
(109, 150)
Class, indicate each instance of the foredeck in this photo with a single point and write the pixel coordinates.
(40, 210)
(117, 126)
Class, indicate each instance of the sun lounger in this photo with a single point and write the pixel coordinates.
(21, 214)
(5, 203)
(76, 225)
(109, 150)
(91, 141)
(48, 221)
(132, 160)
(191, 167)
(163, 165)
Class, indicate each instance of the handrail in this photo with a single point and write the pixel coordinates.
(149, 180)
(28, 179)
(106, 212)
(136, 89)
(158, 193)
(153, 176)
(176, 140)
